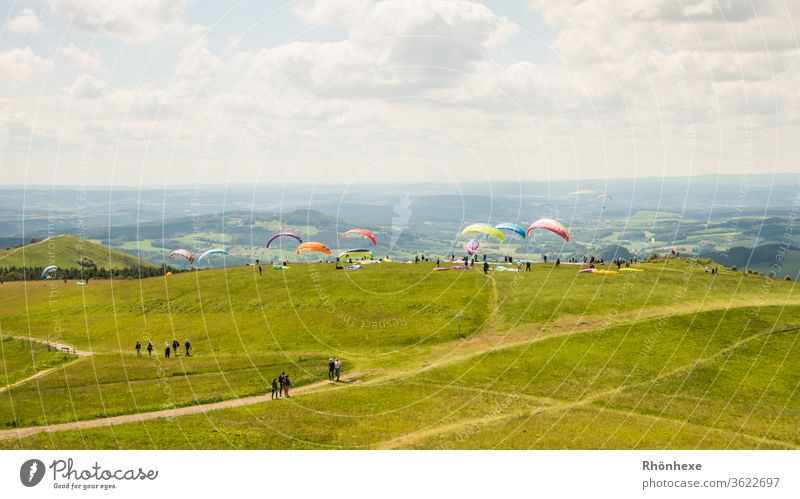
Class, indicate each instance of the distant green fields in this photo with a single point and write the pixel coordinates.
(67, 251)
(666, 358)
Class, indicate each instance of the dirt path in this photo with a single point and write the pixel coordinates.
(167, 413)
(43, 372)
(57, 346)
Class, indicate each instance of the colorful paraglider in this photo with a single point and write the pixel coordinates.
(355, 254)
(516, 229)
(215, 251)
(284, 234)
(182, 253)
(484, 229)
(47, 270)
(313, 246)
(361, 232)
(553, 226)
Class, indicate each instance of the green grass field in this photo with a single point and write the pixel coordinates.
(671, 357)
(67, 251)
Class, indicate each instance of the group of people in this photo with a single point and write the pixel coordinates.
(280, 386)
(715, 270)
(173, 348)
(334, 369)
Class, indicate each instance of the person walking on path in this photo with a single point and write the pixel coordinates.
(338, 368)
(330, 369)
(175, 346)
(166, 349)
(149, 348)
(281, 379)
(188, 346)
(138, 349)
(286, 385)
(275, 394)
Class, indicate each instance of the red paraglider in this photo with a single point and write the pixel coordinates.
(362, 232)
(184, 253)
(549, 224)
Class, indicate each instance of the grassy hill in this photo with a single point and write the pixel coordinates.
(68, 251)
(765, 258)
(670, 357)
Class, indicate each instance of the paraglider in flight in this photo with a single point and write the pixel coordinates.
(472, 246)
(212, 252)
(184, 253)
(48, 269)
(512, 228)
(484, 229)
(605, 195)
(284, 234)
(361, 232)
(551, 225)
(312, 246)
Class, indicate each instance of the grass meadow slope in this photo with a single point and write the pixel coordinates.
(671, 357)
(68, 251)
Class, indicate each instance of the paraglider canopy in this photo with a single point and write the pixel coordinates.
(48, 269)
(552, 225)
(313, 246)
(284, 234)
(605, 195)
(184, 253)
(216, 251)
(363, 232)
(484, 229)
(355, 253)
(512, 228)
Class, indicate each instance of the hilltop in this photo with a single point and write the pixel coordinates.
(68, 251)
(671, 357)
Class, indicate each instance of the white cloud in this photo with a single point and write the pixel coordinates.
(21, 65)
(84, 60)
(26, 22)
(134, 21)
(87, 87)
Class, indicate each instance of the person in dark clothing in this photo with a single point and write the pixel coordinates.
(558, 262)
(275, 394)
(330, 368)
(485, 267)
(281, 379)
(175, 347)
(258, 262)
(619, 263)
(188, 346)
(259, 270)
(286, 385)
(166, 349)
(437, 262)
(138, 349)
(150, 348)
(527, 266)
(544, 257)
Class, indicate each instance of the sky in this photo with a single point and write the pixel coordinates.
(173, 92)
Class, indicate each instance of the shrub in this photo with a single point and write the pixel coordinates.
(733, 268)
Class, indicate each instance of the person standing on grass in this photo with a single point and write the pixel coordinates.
(338, 368)
(281, 379)
(138, 349)
(166, 349)
(188, 346)
(330, 368)
(286, 385)
(527, 266)
(558, 262)
(175, 346)
(485, 267)
(149, 348)
(275, 394)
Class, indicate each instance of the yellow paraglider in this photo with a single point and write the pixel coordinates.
(484, 229)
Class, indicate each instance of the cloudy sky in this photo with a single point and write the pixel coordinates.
(155, 92)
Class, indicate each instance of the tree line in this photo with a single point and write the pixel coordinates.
(14, 273)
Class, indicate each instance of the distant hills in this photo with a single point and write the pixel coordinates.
(765, 258)
(68, 251)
